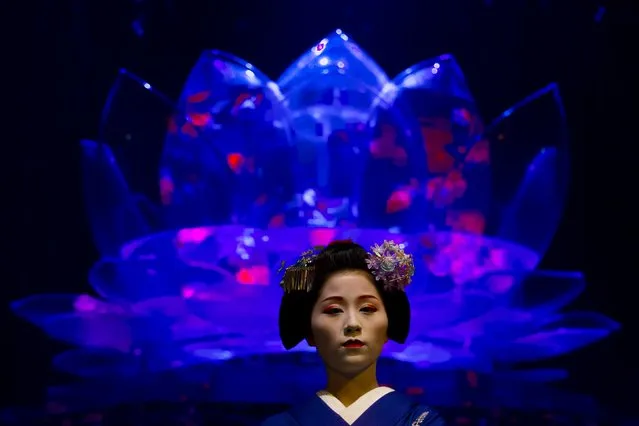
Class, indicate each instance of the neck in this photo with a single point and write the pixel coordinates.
(349, 388)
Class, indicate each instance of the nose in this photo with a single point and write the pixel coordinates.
(352, 327)
(352, 330)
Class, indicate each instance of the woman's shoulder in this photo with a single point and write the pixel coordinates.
(423, 415)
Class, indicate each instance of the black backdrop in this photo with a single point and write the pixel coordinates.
(62, 57)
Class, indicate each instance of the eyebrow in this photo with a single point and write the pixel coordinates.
(340, 298)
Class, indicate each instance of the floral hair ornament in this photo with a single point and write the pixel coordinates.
(389, 263)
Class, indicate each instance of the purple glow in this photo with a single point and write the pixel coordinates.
(253, 172)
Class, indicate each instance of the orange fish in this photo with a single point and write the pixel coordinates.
(399, 200)
(235, 161)
(198, 97)
(200, 119)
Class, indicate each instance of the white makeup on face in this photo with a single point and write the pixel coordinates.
(349, 323)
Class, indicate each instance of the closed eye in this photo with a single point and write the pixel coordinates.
(331, 311)
(369, 309)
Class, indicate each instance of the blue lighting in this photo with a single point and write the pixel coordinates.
(193, 218)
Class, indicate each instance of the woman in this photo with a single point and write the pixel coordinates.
(348, 303)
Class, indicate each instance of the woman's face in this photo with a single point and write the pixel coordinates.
(349, 323)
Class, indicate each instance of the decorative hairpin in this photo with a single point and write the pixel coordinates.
(387, 262)
(299, 276)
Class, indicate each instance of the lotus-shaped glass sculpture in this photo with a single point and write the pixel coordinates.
(192, 217)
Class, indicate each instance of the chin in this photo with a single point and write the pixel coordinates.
(353, 365)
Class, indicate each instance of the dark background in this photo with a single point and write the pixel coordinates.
(68, 54)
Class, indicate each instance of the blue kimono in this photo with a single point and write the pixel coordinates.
(379, 407)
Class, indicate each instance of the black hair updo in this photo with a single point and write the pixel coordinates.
(339, 256)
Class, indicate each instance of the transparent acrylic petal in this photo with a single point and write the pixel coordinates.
(96, 363)
(162, 245)
(358, 164)
(516, 168)
(119, 331)
(391, 182)
(450, 188)
(235, 309)
(201, 246)
(539, 292)
(524, 302)
(133, 125)
(102, 331)
(37, 309)
(184, 325)
(225, 147)
(441, 75)
(530, 165)
(93, 362)
(500, 324)
(209, 256)
(447, 120)
(115, 216)
(137, 280)
(431, 312)
(166, 306)
(230, 246)
(337, 53)
(422, 352)
(191, 328)
(214, 76)
(251, 255)
(447, 260)
(229, 346)
(567, 333)
(329, 91)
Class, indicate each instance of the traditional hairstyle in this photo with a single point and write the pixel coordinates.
(388, 266)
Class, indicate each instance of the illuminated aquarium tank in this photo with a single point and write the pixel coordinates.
(194, 202)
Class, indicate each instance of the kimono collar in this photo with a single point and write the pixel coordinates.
(351, 413)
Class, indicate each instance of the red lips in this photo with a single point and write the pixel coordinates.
(352, 344)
